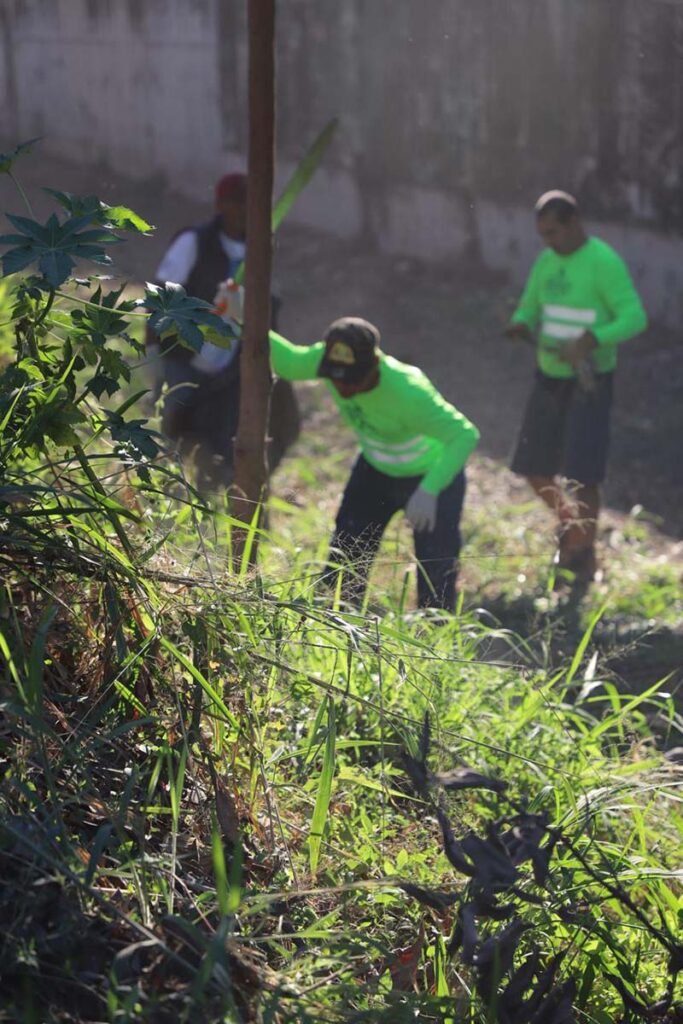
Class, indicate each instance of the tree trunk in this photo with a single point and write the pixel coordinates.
(251, 473)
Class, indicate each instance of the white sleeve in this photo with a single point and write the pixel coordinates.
(179, 259)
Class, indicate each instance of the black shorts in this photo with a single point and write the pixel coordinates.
(565, 430)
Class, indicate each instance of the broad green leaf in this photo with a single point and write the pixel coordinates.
(174, 312)
(54, 246)
(101, 317)
(219, 871)
(125, 219)
(235, 879)
(120, 217)
(56, 420)
(133, 438)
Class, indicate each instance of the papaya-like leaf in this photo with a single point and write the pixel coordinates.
(107, 320)
(119, 217)
(174, 312)
(134, 440)
(54, 246)
(125, 219)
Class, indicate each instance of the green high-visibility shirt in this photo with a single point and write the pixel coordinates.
(589, 290)
(403, 425)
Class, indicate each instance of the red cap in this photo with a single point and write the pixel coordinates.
(231, 186)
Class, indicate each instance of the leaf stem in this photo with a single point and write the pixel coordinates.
(21, 192)
(46, 309)
(95, 305)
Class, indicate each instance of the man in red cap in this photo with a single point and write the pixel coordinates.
(201, 405)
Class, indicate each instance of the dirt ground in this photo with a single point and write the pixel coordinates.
(446, 318)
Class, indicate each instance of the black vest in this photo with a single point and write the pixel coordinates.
(212, 264)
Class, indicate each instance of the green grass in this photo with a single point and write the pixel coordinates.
(151, 731)
(205, 810)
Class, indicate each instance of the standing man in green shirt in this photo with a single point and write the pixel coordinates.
(579, 303)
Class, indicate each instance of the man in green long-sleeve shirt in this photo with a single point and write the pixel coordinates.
(580, 303)
(413, 449)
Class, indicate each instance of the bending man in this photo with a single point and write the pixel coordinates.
(413, 450)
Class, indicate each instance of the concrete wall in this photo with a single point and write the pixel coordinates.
(454, 114)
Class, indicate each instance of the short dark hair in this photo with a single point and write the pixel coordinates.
(562, 205)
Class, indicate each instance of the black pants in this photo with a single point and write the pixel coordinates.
(201, 412)
(370, 500)
(565, 431)
(200, 415)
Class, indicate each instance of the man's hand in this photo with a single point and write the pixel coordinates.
(519, 331)
(579, 350)
(421, 510)
(229, 301)
(578, 354)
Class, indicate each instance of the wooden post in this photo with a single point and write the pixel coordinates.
(251, 473)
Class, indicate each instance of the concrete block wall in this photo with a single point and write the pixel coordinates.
(454, 114)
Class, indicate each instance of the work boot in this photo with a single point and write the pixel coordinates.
(584, 564)
(576, 541)
(575, 567)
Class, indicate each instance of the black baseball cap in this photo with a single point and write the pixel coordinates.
(351, 350)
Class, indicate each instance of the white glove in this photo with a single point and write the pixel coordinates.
(421, 510)
(228, 304)
(229, 301)
(212, 359)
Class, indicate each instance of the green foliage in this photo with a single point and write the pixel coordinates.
(205, 814)
(115, 217)
(175, 313)
(54, 246)
(67, 348)
(322, 801)
(229, 720)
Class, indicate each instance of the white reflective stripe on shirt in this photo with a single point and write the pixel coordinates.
(415, 443)
(391, 459)
(563, 331)
(395, 458)
(570, 313)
